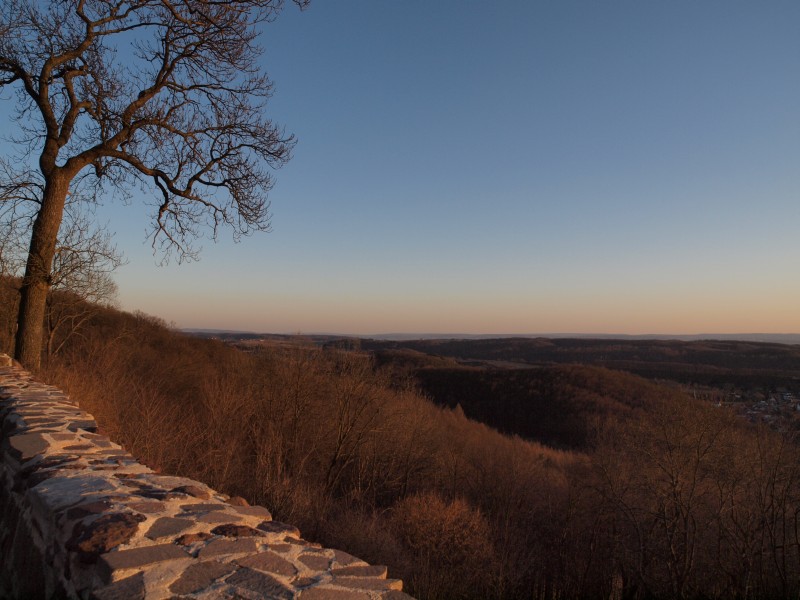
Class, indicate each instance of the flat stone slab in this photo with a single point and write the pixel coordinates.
(201, 508)
(68, 489)
(199, 576)
(279, 528)
(130, 588)
(270, 562)
(368, 583)
(322, 593)
(343, 558)
(104, 534)
(187, 539)
(153, 507)
(234, 530)
(317, 562)
(218, 517)
(139, 557)
(27, 445)
(219, 547)
(167, 526)
(260, 583)
(360, 571)
(253, 511)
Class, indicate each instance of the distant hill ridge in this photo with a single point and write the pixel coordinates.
(774, 338)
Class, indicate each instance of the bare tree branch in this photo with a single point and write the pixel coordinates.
(165, 93)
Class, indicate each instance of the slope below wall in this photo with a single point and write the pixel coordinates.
(81, 518)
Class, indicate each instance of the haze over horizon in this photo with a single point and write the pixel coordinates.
(774, 338)
(622, 168)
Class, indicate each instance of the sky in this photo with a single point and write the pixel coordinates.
(520, 166)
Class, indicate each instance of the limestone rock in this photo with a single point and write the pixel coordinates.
(199, 576)
(232, 530)
(103, 534)
(269, 561)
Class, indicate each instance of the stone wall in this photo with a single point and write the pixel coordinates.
(81, 518)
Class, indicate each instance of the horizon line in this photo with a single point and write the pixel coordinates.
(742, 336)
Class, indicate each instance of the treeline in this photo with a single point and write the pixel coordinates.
(712, 363)
(672, 499)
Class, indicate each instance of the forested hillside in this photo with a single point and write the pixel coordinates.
(663, 496)
(707, 362)
(559, 406)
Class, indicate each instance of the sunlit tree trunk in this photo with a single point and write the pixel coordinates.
(36, 283)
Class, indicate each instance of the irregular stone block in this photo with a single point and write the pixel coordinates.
(105, 444)
(269, 561)
(120, 453)
(367, 583)
(219, 547)
(130, 588)
(157, 494)
(63, 491)
(148, 507)
(138, 557)
(193, 490)
(254, 511)
(22, 483)
(103, 534)
(199, 576)
(83, 424)
(80, 447)
(343, 558)
(317, 562)
(317, 593)
(201, 508)
(188, 539)
(304, 582)
(298, 541)
(27, 445)
(218, 517)
(232, 530)
(361, 571)
(167, 526)
(260, 583)
(86, 509)
(281, 528)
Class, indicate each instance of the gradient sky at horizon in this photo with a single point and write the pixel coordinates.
(513, 167)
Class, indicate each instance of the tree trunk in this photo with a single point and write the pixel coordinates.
(36, 283)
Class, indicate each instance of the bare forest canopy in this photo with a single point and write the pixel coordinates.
(712, 362)
(655, 492)
(555, 390)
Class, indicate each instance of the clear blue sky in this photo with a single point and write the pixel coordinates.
(514, 167)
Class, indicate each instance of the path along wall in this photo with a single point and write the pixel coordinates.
(80, 518)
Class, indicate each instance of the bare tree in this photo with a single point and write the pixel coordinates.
(84, 259)
(83, 263)
(164, 93)
(19, 200)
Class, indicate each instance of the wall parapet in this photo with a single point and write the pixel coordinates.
(81, 518)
